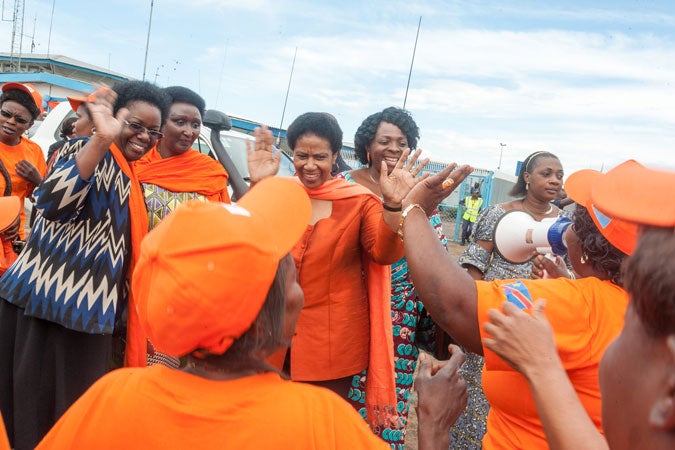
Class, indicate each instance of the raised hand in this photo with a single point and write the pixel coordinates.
(100, 105)
(396, 185)
(262, 160)
(429, 192)
(525, 341)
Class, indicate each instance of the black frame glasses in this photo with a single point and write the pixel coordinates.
(18, 119)
(139, 129)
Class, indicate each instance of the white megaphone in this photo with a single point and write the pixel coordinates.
(517, 234)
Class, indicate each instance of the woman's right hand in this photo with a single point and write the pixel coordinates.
(100, 105)
(262, 162)
(430, 192)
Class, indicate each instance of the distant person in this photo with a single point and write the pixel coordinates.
(637, 370)
(383, 137)
(81, 125)
(342, 262)
(67, 293)
(587, 312)
(241, 282)
(22, 162)
(172, 172)
(66, 132)
(472, 206)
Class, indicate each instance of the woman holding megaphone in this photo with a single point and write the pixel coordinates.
(586, 313)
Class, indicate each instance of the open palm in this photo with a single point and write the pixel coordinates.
(262, 161)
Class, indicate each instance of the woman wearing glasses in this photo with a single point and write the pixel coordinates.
(22, 163)
(66, 294)
(172, 172)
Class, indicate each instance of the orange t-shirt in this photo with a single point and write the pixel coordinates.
(12, 154)
(161, 408)
(332, 333)
(586, 315)
(4, 442)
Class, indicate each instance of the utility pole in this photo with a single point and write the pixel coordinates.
(283, 112)
(501, 151)
(147, 41)
(405, 99)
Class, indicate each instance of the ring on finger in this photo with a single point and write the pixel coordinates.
(447, 183)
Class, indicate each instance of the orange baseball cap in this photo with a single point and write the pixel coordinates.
(75, 102)
(27, 88)
(9, 211)
(636, 193)
(620, 233)
(204, 272)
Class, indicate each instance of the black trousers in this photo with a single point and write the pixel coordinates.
(467, 227)
(44, 368)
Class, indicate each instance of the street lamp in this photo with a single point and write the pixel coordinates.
(501, 151)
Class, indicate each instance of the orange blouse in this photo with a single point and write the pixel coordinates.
(332, 334)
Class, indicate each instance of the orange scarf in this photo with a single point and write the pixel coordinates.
(380, 376)
(136, 347)
(190, 172)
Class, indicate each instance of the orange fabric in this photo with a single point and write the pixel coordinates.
(190, 172)
(164, 409)
(9, 211)
(345, 325)
(7, 256)
(4, 442)
(136, 347)
(10, 156)
(586, 315)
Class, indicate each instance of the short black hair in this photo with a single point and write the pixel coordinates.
(67, 127)
(22, 98)
(181, 94)
(141, 91)
(320, 124)
(368, 128)
(520, 189)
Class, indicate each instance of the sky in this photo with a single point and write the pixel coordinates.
(591, 81)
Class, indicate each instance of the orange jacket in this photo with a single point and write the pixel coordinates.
(164, 409)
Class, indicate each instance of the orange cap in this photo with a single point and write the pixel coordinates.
(27, 88)
(620, 233)
(633, 192)
(204, 272)
(9, 211)
(75, 102)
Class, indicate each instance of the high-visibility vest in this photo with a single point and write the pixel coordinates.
(472, 207)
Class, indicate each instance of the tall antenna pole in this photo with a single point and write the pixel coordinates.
(147, 41)
(405, 99)
(222, 70)
(283, 112)
(51, 21)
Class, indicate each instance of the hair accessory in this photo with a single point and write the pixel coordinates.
(404, 214)
(205, 271)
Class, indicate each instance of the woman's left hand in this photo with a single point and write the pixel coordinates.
(525, 341)
(28, 172)
(402, 179)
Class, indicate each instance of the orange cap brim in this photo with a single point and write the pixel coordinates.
(75, 102)
(635, 193)
(620, 233)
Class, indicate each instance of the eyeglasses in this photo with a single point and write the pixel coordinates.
(18, 119)
(138, 129)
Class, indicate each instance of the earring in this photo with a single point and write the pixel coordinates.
(368, 157)
(584, 258)
(527, 186)
(93, 130)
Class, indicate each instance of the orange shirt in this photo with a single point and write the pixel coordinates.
(332, 334)
(586, 315)
(4, 442)
(161, 408)
(12, 154)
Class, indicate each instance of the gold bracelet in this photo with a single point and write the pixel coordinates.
(404, 214)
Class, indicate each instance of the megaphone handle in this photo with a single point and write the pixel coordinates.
(551, 257)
